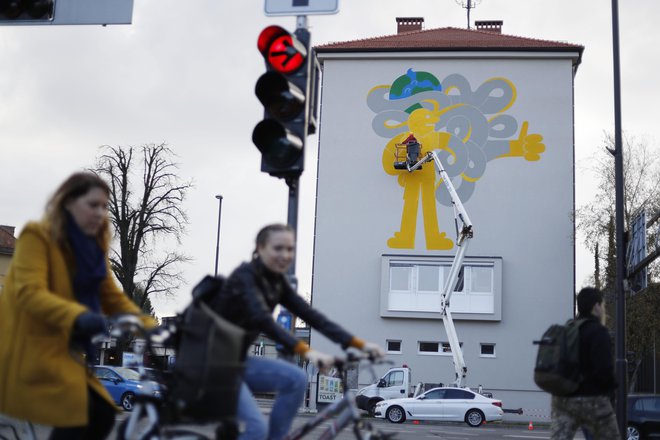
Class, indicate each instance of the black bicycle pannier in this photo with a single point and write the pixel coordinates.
(208, 368)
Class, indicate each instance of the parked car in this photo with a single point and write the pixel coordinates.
(643, 416)
(161, 377)
(445, 404)
(122, 384)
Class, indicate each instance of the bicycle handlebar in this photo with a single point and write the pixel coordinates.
(121, 325)
(352, 358)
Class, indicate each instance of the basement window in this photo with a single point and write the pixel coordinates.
(487, 350)
(393, 346)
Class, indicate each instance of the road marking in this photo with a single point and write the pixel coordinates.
(454, 433)
(524, 436)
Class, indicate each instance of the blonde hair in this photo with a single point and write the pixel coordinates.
(77, 185)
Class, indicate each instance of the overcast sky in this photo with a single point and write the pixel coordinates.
(184, 72)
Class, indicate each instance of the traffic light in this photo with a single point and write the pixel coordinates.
(26, 10)
(285, 91)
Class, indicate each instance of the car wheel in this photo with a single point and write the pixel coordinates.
(633, 433)
(474, 418)
(396, 414)
(127, 401)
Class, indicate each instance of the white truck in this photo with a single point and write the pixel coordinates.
(396, 382)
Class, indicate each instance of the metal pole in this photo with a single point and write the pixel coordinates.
(217, 240)
(621, 370)
(469, 6)
(292, 214)
(285, 317)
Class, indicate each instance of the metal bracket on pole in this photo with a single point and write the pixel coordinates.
(301, 22)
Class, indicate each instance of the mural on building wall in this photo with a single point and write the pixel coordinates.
(467, 128)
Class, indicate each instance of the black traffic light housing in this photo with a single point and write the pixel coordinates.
(287, 94)
(26, 10)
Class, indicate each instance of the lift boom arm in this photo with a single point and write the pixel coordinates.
(464, 235)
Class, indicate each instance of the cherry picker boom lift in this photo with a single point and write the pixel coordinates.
(411, 162)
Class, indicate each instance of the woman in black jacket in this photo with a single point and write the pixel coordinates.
(251, 294)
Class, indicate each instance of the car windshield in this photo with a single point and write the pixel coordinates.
(127, 373)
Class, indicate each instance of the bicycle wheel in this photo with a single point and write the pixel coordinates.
(141, 428)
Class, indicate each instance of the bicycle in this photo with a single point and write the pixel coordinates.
(345, 410)
(155, 417)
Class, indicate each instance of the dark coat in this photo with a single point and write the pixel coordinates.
(596, 360)
(249, 297)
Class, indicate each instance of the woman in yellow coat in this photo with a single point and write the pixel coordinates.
(57, 290)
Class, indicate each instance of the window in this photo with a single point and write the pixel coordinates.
(487, 350)
(438, 348)
(446, 348)
(393, 347)
(103, 373)
(429, 347)
(434, 394)
(418, 288)
(412, 286)
(394, 378)
(452, 393)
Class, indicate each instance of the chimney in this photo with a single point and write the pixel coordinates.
(409, 24)
(494, 26)
(7, 240)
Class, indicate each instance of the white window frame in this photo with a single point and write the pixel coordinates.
(387, 346)
(481, 350)
(414, 303)
(445, 348)
(429, 353)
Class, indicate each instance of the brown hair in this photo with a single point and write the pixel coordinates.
(77, 185)
(264, 235)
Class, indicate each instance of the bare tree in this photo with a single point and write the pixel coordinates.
(596, 221)
(641, 188)
(144, 214)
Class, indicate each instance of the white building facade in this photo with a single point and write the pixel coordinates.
(498, 110)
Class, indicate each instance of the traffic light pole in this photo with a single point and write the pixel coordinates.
(285, 318)
(286, 92)
(292, 214)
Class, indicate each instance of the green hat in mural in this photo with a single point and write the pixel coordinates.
(412, 83)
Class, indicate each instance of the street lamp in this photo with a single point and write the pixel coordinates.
(619, 206)
(217, 240)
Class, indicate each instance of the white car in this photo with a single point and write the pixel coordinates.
(445, 404)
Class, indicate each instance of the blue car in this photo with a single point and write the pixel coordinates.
(122, 384)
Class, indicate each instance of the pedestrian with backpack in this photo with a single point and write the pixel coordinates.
(589, 406)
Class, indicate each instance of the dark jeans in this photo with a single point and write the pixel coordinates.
(101, 420)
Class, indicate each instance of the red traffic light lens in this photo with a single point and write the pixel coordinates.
(281, 50)
(267, 36)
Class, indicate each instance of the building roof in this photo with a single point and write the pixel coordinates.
(450, 39)
(7, 240)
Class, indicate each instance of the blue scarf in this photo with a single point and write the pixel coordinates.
(90, 269)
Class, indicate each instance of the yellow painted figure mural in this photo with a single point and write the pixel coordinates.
(466, 128)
